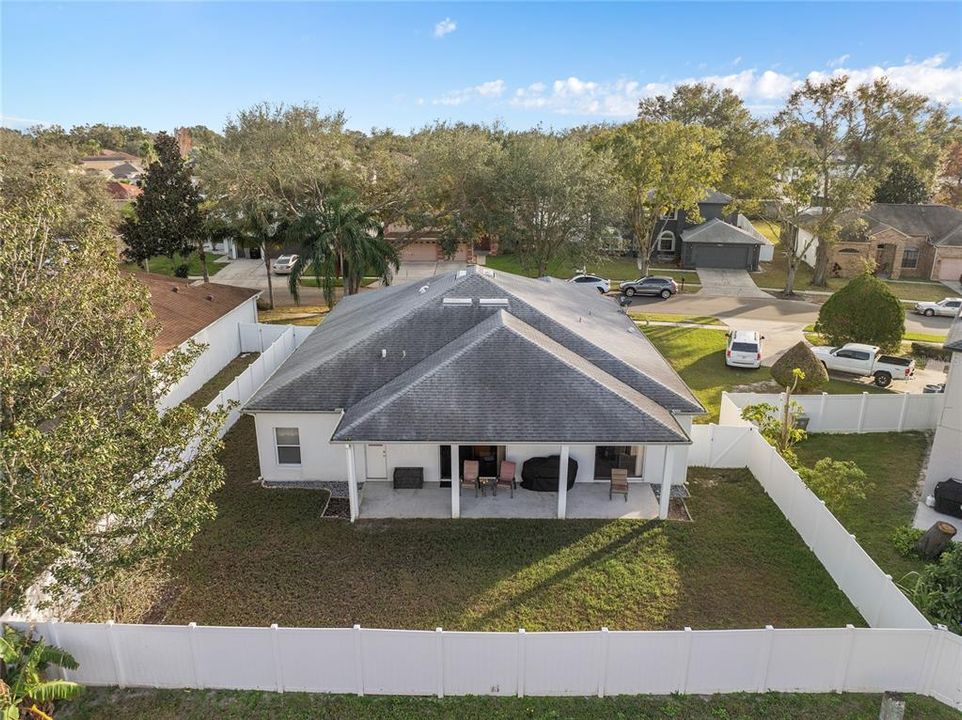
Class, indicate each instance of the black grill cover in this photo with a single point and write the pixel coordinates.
(541, 473)
(948, 497)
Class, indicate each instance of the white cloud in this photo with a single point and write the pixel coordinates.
(838, 61)
(19, 123)
(930, 77)
(445, 27)
(737, 61)
(492, 89)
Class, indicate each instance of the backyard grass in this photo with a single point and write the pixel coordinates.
(269, 557)
(113, 704)
(699, 357)
(207, 392)
(163, 265)
(893, 463)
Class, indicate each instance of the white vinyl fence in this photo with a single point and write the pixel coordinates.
(412, 662)
(869, 589)
(862, 413)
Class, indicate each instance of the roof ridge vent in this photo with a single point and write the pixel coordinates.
(457, 301)
(502, 302)
(462, 273)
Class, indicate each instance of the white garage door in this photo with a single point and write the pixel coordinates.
(419, 252)
(950, 269)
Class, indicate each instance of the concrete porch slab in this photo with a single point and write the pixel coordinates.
(585, 501)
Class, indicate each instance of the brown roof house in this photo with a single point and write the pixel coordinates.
(207, 313)
(904, 241)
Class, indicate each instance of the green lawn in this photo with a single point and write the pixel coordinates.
(209, 390)
(311, 281)
(135, 704)
(907, 337)
(739, 564)
(893, 462)
(699, 357)
(293, 315)
(640, 316)
(163, 265)
(617, 268)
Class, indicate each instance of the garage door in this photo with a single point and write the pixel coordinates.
(461, 254)
(950, 269)
(721, 256)
(419, 252)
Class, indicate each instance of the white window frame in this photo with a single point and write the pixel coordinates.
(664, 235)
(278, 445)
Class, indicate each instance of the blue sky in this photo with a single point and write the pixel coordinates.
(163, 65)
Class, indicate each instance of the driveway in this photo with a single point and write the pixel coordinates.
(728, 283)
(410, 272)
(252, 274)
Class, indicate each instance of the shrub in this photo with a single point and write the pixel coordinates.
(905, 538)
(864, 311)
(937, 590)
(24, 691)
(182, 270)
(799, 357)
(933, 352)
(837, 482)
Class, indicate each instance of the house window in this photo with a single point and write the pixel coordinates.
(910, 258)
(288, 442)
(666, 241)
(670, 215)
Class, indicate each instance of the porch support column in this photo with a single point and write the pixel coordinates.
(666, 474)
(352, 482)
(563, 483)
(455, 484)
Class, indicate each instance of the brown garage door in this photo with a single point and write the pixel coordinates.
(950, 269)
(461, 254)
(419, 252)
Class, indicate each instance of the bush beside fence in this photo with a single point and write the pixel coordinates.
(862, 413)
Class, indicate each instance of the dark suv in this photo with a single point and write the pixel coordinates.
(652, 285)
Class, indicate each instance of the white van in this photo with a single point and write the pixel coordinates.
(744, 349)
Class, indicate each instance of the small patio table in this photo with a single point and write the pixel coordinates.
(487, 481)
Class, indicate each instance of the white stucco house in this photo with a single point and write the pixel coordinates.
(206, 313)
(945, 459)
(485, 366)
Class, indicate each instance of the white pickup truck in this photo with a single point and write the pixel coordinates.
(866, 360)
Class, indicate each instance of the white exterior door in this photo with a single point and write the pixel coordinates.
(375, 461)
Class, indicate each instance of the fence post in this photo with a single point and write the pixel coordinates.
(861, 412)
(520, 662)
(191, 645)
(686, 668)
(439, 634)
(821, 410)
(841, 675)
(602, 661)
(115, 654)
(358, 662)
(275, 648)
(765, 659)
(905, 405)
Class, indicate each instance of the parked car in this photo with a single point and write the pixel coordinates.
(283, 264)
(594, 281)
(652, 285)
(948, 307)
(866, 360)
(744, 349)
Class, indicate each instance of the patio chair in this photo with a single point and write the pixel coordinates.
(619, 483)
(506, 476)
(469, 477)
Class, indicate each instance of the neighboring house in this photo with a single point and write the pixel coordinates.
(904, 241)
(106, 161)
(718, 241)
(207, 313)
(123, 193)
(126, 171)
(425, 246)
(475, 365)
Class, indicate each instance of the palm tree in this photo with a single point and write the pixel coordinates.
(24, 693)
(342, 239)
(258, 227)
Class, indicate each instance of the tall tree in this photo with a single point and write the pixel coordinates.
(838, 144)
(557, 199)
(743, 138)
(661, 166)
(167, 218)
(343, 240)
(902, 185)
(92, 476)
(950, 177)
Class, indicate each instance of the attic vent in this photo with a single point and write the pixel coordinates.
(462, 273)
(211, 298)
(174, 288)
(500, 302)
(423, 289)
(486, 271)
(383, 352)
(456, 301)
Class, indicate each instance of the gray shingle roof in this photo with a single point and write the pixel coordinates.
(715, 197)
(372, 343)
(719, 231)
(939, 223)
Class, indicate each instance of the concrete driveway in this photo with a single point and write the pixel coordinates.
(728, 283)
(253, 274)
(410, 272)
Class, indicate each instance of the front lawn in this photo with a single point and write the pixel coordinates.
(134, 704)
(163, 265)
(269, 557)
(893, 463)
(699, 357)
(641, 316)
(615, 268)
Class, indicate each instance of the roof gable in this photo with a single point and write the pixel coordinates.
(719, 231)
